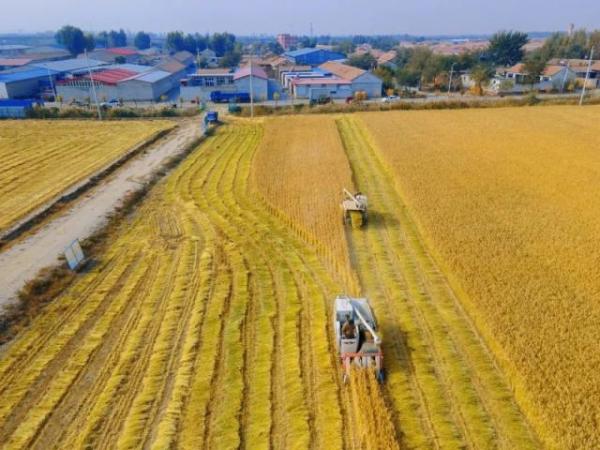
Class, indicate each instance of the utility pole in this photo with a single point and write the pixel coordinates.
(450, 81)
(251, 88)
(587, 76)
(562, 89)
(87, 61)
(51, 83)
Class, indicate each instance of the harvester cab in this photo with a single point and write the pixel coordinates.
(357, 339)
(355, 208)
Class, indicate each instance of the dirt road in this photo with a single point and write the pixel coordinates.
(22, 261)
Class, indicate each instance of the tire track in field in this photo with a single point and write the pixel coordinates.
(483, 410)
(39, 387)
(455, 430)
(232, 218)
(35, 345)
(252, 213)
(176, 350)
(246, 224)
(107, 433)
(260, 284)
(74, 407)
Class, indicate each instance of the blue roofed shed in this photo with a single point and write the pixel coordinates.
(73, 66)
(313, 56)
(25, 83)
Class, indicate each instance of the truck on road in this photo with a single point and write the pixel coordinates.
(229, 97)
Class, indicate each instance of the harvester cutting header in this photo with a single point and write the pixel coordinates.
(355, 208)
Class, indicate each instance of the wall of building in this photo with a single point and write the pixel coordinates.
(551, 83)
(260, 87)
(368, 83)
(189, 93)
(144, 91)
(314, 92)
(21, 89)
(69, 93)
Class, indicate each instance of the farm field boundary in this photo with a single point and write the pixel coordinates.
(32, 160)
(70, 194)
(51, 281)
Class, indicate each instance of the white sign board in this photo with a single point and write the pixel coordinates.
(74, 255)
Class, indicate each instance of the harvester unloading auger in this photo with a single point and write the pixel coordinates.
(357, 340)
(355, 208)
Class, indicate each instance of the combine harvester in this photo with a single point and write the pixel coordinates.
(357, 340)
(355, 209)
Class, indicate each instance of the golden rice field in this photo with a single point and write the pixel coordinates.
(41, 159)
(207, 324)
(508, 200)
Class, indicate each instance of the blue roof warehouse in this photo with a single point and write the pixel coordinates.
(25, 83)
(312, 56)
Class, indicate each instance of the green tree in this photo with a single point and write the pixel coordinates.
(202, 62)
(533, 67)
(190, 44)
(202, 42)
(307, 42)
(222, 43)
(506, 47)
(387, 76)
(72, 38)
(275, 48)
(365, 61)
(594, 42)
(231, 59)
(90, 42)
(175, 41)
(346, 47)
(102, 39)
(142, 40)
(576, 45)
(122, 39)
(481, 75)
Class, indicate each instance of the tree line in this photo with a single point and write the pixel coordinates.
(420, 66)
(77, 41)
(225, 46)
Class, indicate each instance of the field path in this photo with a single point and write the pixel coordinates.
(442, 381)
(20, 262)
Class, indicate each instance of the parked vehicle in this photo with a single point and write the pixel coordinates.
(229, 97)
(79, 103)
(211, 117)
(322, 100)
(390, 99)
(113, 103)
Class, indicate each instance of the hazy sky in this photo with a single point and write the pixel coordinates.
(419, 17)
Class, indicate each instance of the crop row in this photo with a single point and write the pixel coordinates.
(42, 159)
(204, 326)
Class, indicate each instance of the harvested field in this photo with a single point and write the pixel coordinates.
(186, 332)
(41, 159)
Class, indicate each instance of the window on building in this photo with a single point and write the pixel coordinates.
(209, 81)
